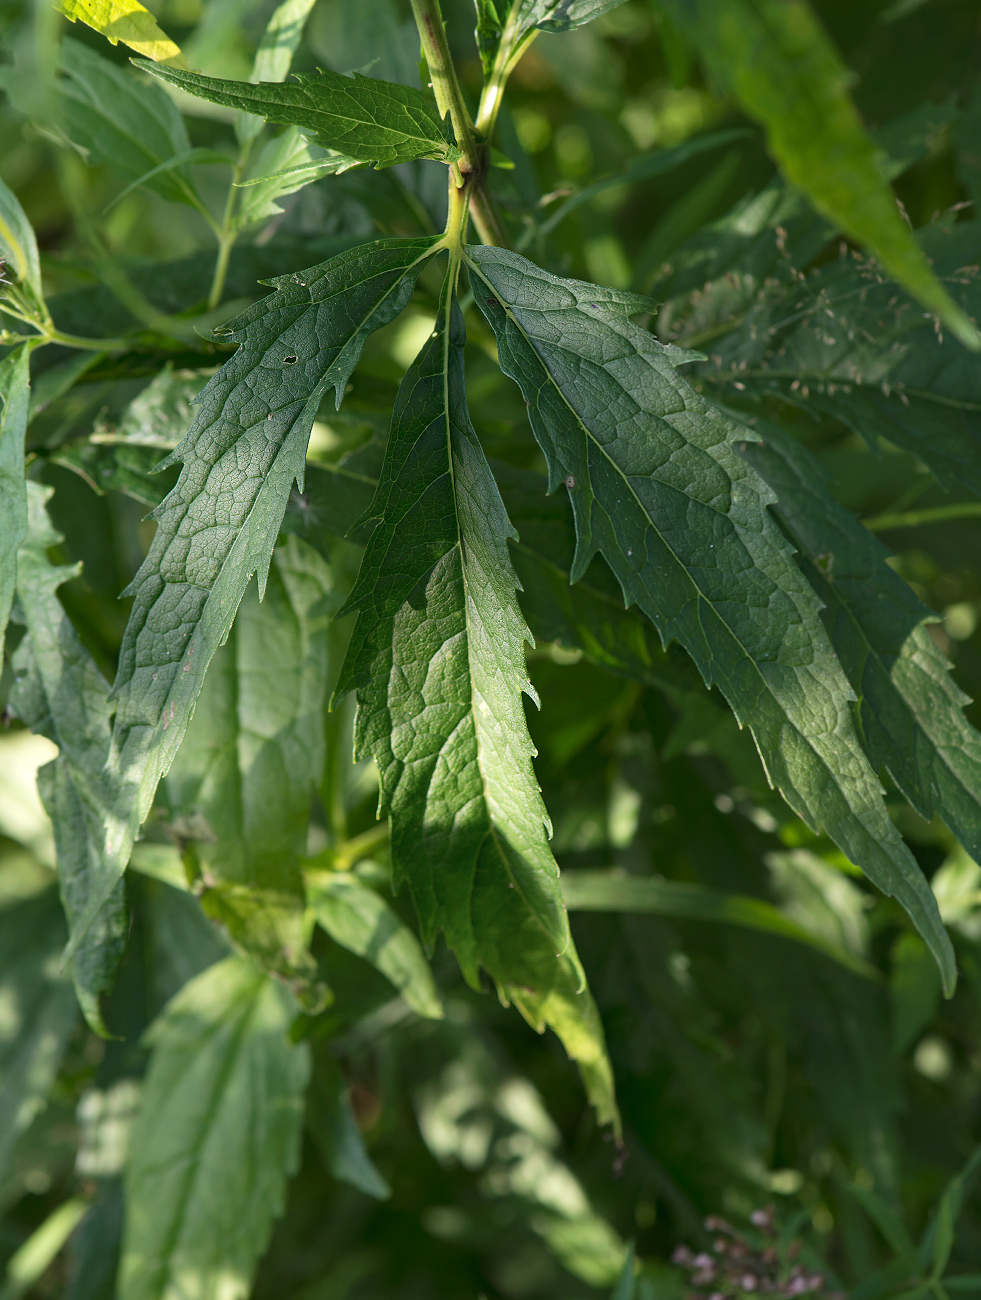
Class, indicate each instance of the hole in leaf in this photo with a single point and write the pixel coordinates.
(290, 361)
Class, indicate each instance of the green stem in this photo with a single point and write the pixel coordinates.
(227, 234)
(446, 87)
(509, 51)
(917, 518)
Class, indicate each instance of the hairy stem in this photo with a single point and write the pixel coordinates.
(446, 87)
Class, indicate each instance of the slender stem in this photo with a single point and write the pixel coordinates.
(510, 49)
(917, 518)
(486, 218)
(227, 233)
(446, 87)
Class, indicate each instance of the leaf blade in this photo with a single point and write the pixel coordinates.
(652, 472)
(14, 401)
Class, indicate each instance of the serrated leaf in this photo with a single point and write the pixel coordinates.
(658, 488)
(359, 919)
(241, 785)
(241, 457)
(18, 247)
(14, 399)
(60, 693)
(559, 15)
(40, 1012)
(123, 121)
(217, 1136)
(783, 68)
(127, 21)
(910, 709)
(275, 54)
(374, 121)
(437, 660)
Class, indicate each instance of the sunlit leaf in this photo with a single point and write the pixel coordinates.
(127, 21)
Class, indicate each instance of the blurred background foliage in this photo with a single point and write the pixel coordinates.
(752, 1069)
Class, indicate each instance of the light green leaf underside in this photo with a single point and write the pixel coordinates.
(216, 1139)
(40, 1014)
(658, 488)
(359, 919)
(241, 457)
(437, 660)
(786, 73)
(910, 709)
(14, 398)
(607, 891)
(557, 15)
(374, 121)
(60, 693)
(121, 120)
(241, 785)
(285, 164)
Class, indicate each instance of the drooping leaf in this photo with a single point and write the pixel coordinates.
(275, 54)
(374, 121)
(781, 65)
(127, 21)
(437, 660)
(910, 710)
(359, 919)
(241, 785)
(122, 121)
(14, 398)
(40, 1013)
(18, 247)
(607, 891)
(241, 457)
(216, 1139)
(657, 486)
(60, 693)
(332, 1126)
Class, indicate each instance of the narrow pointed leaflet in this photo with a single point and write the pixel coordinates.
(241, 457)
(437, 661)
(370, 120)
(658, 488)
(14, 399)
(911, 710)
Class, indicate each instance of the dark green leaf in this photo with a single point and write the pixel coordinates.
(359, 919)
(608, 891)
(657, 486)
(217, 1137)
(786, 73)
(374, 121)
(14, 397)
(437, 659)
(40, 1012)
(333, 1127)
(241, 785)
(938, 1240)
(60, 693)
(241, 457)
(910, 710)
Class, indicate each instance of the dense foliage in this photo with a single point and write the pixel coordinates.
(594, 483)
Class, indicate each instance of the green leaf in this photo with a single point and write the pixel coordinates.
(657, 486)
(786, 73)
(608, 891)
(40, 1012)
(437, 660)
(559, 15)
(331, 1123)
(911, 712)
(14, 398)
(359, 919)
(123, 121)
(18, 247)
(127, 21)
(284, 164)
(241, 785)
(30, 1262)
(275, 54)
(114, 466)
(60, 693)
(217, 1136)
(374, 121)
(938, 1240)
(244, 451)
